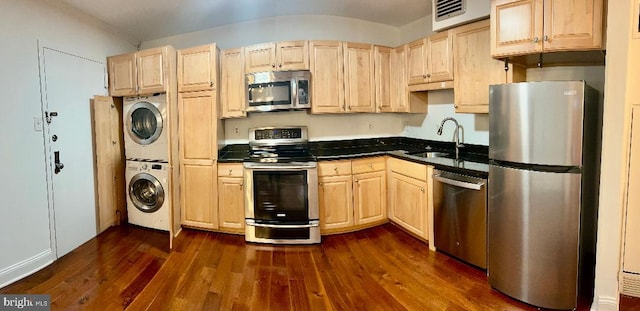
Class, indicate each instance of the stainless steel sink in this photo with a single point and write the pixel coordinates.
(432, 154)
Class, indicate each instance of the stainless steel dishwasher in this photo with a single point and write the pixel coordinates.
(460, 216)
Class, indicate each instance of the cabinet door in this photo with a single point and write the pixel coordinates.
(370, 197)
(358, 77)
(408, 203)
(123, 75)
(417, 61)
(198, 196)
(260, 57)
(233, 88)
(152, 70)
(197, 122)
(516, 27)
(631, 257)
(573, 24)
(109, 160)
(292, 55)
(399, 92)
(474, 68)
(197, 67)
(383, 79)
(231, 204)
(335, 198)
(440, 57)
(327, 65)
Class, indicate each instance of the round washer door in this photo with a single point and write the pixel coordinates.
(146, 192)
(144, 123)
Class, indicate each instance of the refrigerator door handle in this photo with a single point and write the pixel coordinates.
(459, 183)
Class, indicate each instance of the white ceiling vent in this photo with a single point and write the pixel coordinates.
(444, 9)
(450, 13)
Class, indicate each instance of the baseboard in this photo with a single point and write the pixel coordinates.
(602, 303)
(26, 267)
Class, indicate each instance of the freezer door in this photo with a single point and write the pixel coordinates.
(537, 122)
(533, 235)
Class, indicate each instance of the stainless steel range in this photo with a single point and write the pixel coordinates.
(281, 193)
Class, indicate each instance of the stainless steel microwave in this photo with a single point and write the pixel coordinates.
(278, 90)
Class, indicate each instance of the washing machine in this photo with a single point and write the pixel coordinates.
(148, 194)
(146, 132)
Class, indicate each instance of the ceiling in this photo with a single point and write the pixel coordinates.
(153, 19)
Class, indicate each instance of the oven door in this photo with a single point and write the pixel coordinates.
(281, 194)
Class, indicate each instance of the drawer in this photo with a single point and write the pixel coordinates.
(230, 170)
(367, 165)
(408, 168)
(334, 168)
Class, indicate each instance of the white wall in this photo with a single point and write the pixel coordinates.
(621, 92)
(24, 218)
(284, 28)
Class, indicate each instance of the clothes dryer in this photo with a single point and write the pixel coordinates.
(146, 128)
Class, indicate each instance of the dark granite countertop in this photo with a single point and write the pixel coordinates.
(473, 159)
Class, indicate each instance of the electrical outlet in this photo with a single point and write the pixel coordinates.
(235, 129)
(370, 126)
(37, 123)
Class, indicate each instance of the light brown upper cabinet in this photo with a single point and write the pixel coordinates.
(382, 77)
(142, 72)
(233, 91)
(430, 59)
(359, 77)
(475, 70)
(399, 92)
(198, 68)
(327, 77)
(288, 55)
(520, 27)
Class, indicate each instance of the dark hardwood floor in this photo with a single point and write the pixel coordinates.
(376, 269)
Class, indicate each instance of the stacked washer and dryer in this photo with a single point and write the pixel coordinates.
(148, 171)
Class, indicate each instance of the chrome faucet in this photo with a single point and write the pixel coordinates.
(456, 133)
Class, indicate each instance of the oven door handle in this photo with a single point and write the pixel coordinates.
(279, 167)
(310, 225)
(458, 183)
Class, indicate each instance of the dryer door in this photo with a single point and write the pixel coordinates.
(146, 192)
(144, 123)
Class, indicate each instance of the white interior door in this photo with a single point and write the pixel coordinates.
(68, 83)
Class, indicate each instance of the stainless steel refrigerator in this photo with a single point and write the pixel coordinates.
(544, 150)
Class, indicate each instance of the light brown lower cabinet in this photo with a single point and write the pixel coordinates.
(199, 198)
(231, 198)
(408, 196)
(352, 195)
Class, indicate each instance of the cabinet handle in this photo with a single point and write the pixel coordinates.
(421, 189)
(371, 165)
(424, 76)
(241, 186)
(273, 65)
(113, 142)
(545, 38)
(280, 65)
(230, 172)
(211, 84)
(428, 75)
(535, 40)
(320, 184)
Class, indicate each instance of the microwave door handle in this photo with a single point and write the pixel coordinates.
(294, 93)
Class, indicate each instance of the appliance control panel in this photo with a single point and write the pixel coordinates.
(278, 133)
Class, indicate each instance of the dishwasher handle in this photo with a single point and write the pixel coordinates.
(459, 183)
